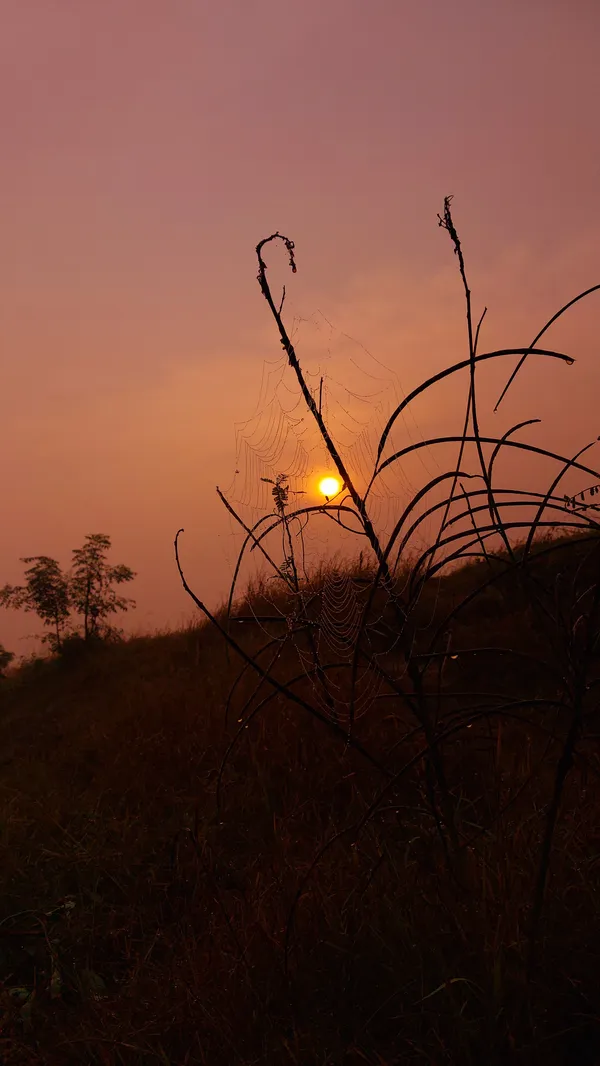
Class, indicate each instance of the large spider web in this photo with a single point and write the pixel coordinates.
(356, 394)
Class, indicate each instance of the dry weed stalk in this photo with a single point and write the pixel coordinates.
(474, 523)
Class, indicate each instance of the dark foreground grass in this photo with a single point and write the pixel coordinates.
(139, 925)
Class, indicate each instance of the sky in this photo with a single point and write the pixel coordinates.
(147, 148)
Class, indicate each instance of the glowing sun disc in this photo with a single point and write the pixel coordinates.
(329, 486)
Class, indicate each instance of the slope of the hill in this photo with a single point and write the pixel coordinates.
(141, 924)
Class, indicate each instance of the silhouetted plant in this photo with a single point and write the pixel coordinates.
(86, 590)
(434, 716)
(91, 593)
(46, 593)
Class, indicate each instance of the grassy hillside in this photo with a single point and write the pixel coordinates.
(141, 925)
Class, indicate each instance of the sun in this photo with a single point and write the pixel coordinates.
(329, 486)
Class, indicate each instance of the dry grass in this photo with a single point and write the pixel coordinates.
(139, 926)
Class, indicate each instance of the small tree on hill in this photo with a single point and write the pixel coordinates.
(46, 593)
(90, 586)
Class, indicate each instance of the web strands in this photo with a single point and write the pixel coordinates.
(339, 620)
(356, 395)
(391, 491)
(273, 441)
(332, 697)
(340, 616)
(359, 393)
(281, 437)
(342, 613)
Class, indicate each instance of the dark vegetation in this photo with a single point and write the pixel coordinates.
(350, 818)
(85, 591)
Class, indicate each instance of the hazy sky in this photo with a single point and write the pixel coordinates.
(147, 146)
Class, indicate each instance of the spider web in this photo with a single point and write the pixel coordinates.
(356, 394)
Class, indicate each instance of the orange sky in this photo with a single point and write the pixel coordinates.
(148, 146)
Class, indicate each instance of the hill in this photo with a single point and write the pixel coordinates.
(317, 914)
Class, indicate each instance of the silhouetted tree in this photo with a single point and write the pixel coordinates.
(90, 584)
(46, 593)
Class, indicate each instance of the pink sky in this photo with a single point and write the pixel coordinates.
(147, 147)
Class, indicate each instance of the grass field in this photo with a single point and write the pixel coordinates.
(140, 924)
